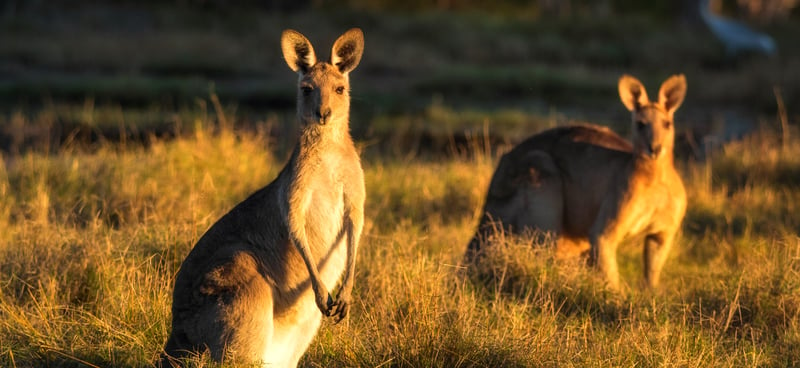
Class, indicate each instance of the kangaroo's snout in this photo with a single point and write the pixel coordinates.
(323, 115)
(655, 150)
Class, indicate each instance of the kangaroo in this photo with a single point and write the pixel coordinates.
(252, 288)
(591, 188)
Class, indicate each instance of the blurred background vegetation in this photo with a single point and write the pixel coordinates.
(434, 72)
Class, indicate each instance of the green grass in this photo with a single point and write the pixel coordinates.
(91, 239)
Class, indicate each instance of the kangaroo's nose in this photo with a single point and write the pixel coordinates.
(655, 150)
(324, 114)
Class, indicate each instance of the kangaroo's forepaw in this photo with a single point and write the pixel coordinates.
(325, 304)
(339, 309)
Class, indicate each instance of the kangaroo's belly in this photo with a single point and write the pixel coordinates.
(582, 202)
(325, 226)
(292, 333)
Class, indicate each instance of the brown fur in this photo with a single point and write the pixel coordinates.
(253, 287)
(592, 188)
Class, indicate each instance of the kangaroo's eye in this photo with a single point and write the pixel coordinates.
(340, 90)
(306, 90)
(667, 124)
(640, 125)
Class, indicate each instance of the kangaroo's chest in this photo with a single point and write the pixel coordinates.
(325, 214)
(657, 203)
(322, 177)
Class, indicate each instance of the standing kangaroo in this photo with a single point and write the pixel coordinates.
(253, 287)
(592, 188)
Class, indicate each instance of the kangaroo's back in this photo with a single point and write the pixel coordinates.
(590, 167)
(255, 286)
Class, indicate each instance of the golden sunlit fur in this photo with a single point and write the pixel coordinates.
(253, 287)
(592, 189)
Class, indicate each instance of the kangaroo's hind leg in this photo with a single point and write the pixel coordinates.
(540, 197)
(526, 193)
(572, 247)
(235, 319)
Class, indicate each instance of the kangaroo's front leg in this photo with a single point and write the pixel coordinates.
(604, 257)
(353, 222)
(608, 230)
(298, 208)
(656, 248)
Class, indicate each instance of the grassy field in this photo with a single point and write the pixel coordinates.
(91, 241)
(126, 131)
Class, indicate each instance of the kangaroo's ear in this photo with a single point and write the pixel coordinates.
(672, 92)
(632, 93)
(297, 51)
(347, 50)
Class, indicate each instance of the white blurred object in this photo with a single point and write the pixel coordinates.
(736, 36)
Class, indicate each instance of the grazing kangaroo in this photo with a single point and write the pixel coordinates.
(592, 188)
(252, 288)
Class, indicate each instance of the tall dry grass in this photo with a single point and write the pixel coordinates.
(90, 242)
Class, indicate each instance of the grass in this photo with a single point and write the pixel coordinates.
(91, 239)
(447, 74)
(136, 54)
(429, 80)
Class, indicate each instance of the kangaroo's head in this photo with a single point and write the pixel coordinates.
(652, 133)
(323, 89)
